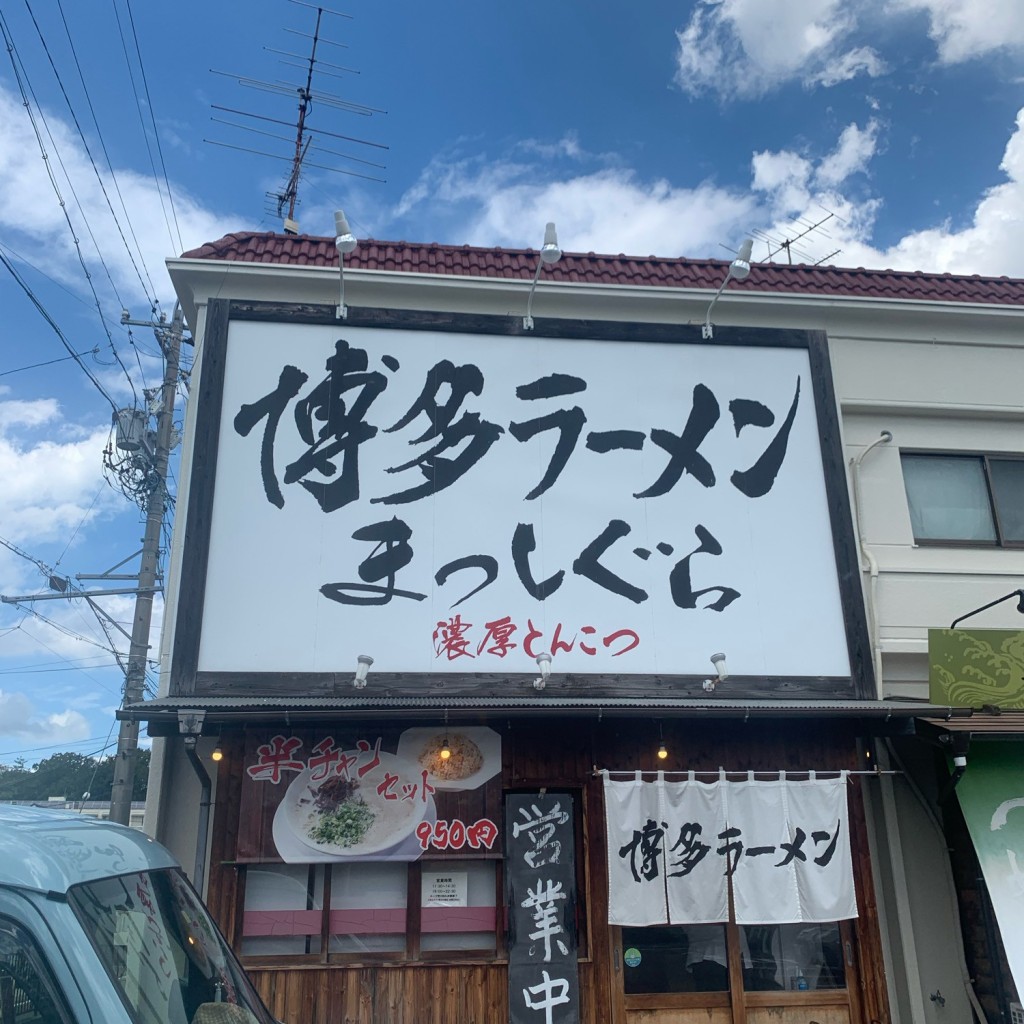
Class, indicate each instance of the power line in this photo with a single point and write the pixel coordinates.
(60, 629)
(22, 81)
(61, 665)
(81, 208)
(55, 746)
(142, 122)
(156, 131)
(49, 319)
(57, 284)
(88, 99)
(42, 671)
(47, 647)
(61, 585)
(81, 523)
(50, 362)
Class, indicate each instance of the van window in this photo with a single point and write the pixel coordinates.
(164, 953)
(28, 993)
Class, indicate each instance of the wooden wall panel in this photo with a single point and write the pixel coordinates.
(419, 994)
(224, 897)
(872, 996)
(798, 1015)
(716, 1015)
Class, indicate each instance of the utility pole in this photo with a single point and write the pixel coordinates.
(156, 502)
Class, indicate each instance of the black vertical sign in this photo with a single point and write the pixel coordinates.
(540, 862)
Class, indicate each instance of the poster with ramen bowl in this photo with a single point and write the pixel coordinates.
(370, 794)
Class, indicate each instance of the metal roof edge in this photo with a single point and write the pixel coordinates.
(226, 710)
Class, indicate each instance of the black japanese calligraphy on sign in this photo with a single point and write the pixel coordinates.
(330, 421)
(541, 896)
(331, 428)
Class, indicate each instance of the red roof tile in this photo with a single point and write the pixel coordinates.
(590, 268)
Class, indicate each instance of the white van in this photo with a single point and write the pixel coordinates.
(98, 925)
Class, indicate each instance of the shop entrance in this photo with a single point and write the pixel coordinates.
(737, 974)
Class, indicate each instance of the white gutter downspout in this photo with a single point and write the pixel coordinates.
(871, 565)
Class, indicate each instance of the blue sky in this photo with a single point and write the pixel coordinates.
(669, 128)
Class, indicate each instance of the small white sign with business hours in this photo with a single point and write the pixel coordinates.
(445, 888)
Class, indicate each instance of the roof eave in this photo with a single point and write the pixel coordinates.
(295, 711)
(196, 280)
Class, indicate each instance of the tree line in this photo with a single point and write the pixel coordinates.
(68, 775)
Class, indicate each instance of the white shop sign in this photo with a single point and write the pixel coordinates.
(461, 503)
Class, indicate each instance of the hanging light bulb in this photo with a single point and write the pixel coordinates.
(662, 751)
(446, 750)
(217, 754)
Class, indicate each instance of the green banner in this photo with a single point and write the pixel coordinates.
(991, 794)
(975, 667)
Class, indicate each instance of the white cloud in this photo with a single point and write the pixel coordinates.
(51, 483)
(33, 223)
(797, 195)
(493, 202)
(19, 719)
(852, 154)
(745, 48)
(844, 66)
(16, 413)
(490, 202)
(990, 244)
(567, 146)
(965, 29)
(783, 176)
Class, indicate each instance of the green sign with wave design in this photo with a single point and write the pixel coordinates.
(975, 667)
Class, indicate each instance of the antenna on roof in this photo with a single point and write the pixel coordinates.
(800, 228)
(285, 201)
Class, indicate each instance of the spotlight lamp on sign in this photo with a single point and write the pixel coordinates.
(544, 664)
(549, 254)
(363, 663)
(738, 270)
(722, 673)
(345, 242)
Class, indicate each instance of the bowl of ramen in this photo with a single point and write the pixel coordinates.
(474, 755)
(353, 815)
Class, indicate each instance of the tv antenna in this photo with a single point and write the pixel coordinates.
(801, 228)
(284, 202)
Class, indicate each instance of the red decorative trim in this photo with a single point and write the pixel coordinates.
(281, 922)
